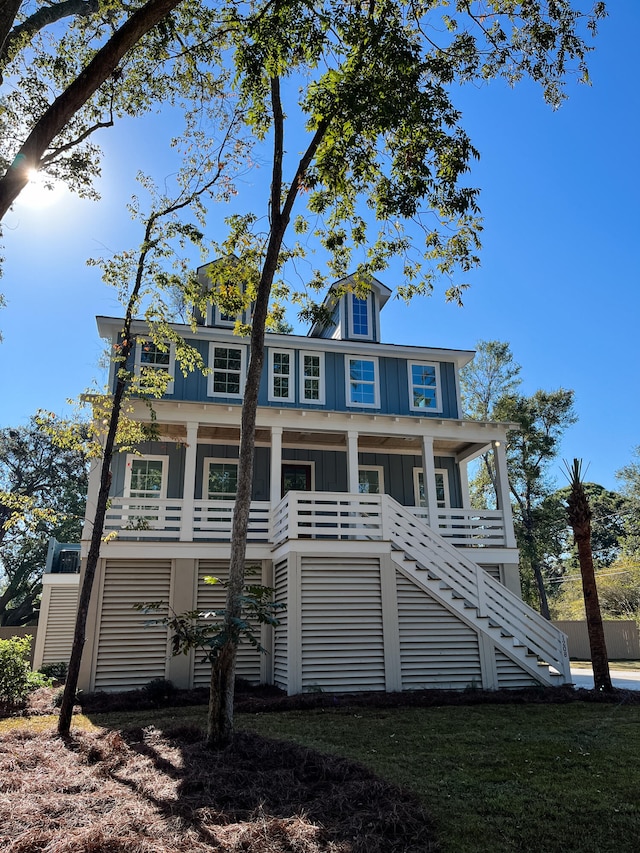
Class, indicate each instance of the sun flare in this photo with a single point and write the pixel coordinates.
(41, 191)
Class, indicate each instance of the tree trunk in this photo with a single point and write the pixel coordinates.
(579, 513)
(75, 96)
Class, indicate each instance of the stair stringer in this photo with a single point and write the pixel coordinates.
(517, 653)
(481, 602)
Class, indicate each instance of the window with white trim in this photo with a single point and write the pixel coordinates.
(227, 371)
(442, 488)
(220, 479)
(362, 381)
(424, 387)
(146, 476)
(370, 480)
(151, 356)
(281, 378)
(312, 377)
(361, 317)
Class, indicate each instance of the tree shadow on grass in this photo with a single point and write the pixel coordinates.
(147, 791)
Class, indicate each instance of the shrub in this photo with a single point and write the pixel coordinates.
(57, 670)
(16, 677)
(159, 690)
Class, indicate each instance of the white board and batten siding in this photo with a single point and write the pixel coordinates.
(60, 625)
(437, 650)
(213, 597)
(130, 653)
(341, 624)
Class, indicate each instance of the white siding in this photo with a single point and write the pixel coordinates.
(130, 654)
(436, 648)
(342, 641)
(280, 668)
(61, 621)
(510, 674)
(213, 597)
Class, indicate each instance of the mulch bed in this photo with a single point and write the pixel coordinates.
(146, 791)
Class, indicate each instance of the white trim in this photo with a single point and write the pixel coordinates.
(169, 368)
(321, 384)
(291, 376)
(213, 345)
(367, 300)
(214, 318)
(379, 469)
(437, 387)
(445, 482)
(131, 457)
(208, 460)
(376, 382)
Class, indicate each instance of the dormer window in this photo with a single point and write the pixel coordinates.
(361, 325)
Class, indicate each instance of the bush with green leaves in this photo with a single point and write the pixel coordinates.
(16, 677)
(57, 670)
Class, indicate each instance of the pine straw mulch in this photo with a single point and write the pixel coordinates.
(145, 791)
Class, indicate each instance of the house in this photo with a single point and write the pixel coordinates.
(360, 519)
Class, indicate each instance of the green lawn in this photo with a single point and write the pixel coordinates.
(541, 778)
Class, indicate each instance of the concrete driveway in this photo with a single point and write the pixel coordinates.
(624, 679)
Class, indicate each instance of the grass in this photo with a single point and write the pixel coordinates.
(493, 777)
(620, 665)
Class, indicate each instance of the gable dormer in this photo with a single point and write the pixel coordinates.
(354, 313)
(217, 317)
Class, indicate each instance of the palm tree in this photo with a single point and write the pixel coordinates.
(579, 513)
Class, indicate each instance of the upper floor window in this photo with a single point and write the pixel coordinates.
(227, 371)
(146, 476)
(312, 377)
(362, 382)
(220, 479)
(360, 317)
(151, 357)
(424, 387)
(281, 387)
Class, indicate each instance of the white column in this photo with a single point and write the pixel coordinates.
(352, 462)
(429, 475)
(93, 487)
(463, 473)
(275, 492)
(503, 495)
(189, 483)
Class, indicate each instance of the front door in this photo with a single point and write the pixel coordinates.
(296, 476)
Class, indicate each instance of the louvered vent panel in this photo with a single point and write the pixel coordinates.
(342, 642)
(129, 653)
(436, 648)
(494, 571)
(60, 624)
(213, 597)
(281, 671)
(510, 674)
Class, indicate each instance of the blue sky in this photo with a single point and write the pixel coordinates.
(559, 277)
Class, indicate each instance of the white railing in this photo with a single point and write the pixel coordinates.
(144, 518)
(317, 515)
(212, 520)
(475, 586)
(475, 527)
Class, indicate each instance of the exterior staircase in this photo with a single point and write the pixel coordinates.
(500, 618)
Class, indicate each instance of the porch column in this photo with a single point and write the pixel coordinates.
(503, 495)
(275, 492)
(95, 472)
(352, 462)
(429, 477)
(463, 473)
(189, 483)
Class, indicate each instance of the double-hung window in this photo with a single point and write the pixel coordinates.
(424, 387)
(312, 377)
(442, 488)
(146, 480)
(281, 379)
(361, 317)
(227, 375)
(220, 479)
(151, 357)
(370, 480)
(362, 382)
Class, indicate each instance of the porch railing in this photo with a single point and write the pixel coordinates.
(316, 515)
